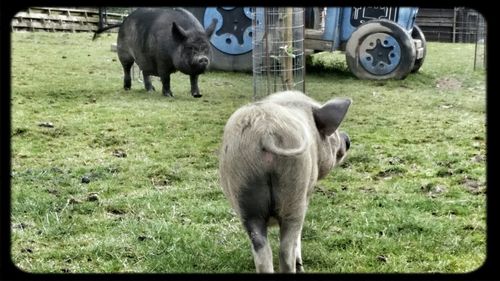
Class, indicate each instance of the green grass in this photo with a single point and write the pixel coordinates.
(410, 198)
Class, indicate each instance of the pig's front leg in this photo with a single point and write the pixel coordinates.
(165, 80)
(195, 92)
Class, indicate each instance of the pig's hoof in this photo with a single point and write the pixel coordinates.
(126, 88)
(299, 268)
(196, 95)
(168, 94)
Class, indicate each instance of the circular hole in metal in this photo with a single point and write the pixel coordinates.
(228, 41)
(386, 42)
(250, 34)
(371, 44)
(392, 55)
(381, 65)
(368, 58)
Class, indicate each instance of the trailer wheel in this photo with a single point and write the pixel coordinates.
(312, 18)
(380, 49)
(417, 34)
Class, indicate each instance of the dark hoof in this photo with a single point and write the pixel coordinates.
(168, 94)
(152, 89)
(196, 95)
(126, 88)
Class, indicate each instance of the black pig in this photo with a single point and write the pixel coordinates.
(162, 41)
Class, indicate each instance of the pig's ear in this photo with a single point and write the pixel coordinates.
(178, 32)
(211, 28)
(330, 115)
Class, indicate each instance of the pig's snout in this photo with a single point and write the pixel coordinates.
(203, 61)
(347, 140)
(199, 64)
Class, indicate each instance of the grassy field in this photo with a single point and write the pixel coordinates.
(105, 180)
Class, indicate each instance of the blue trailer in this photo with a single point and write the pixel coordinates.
(379, 42)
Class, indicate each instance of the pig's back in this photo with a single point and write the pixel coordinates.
(147, 28)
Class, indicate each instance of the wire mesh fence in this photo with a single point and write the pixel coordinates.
(480, 49)
(455, 25)
(278, 50)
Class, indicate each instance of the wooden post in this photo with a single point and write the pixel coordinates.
(454, 24)
(288, 60)
(100, 23)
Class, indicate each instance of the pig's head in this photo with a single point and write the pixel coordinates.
(333, 145)
(193, 53)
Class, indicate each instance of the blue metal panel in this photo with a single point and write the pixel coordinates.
(339, 20)
(332, 25)
(347, 29)
(407, 17)
(228, 42)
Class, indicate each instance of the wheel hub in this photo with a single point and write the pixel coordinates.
(233, 33)
(379, 53)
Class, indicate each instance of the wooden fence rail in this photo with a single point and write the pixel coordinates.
(61, 19)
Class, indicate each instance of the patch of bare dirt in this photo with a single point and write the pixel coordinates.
(448, 83)
(473, 186)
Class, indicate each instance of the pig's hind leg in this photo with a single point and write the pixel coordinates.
(261, 249)
(127, 62)
(165, 81)
(256, 207)
(147, 82)
(290, 232)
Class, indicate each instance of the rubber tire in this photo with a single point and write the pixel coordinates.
(404, 40)
(312, 18)
(418, 34)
